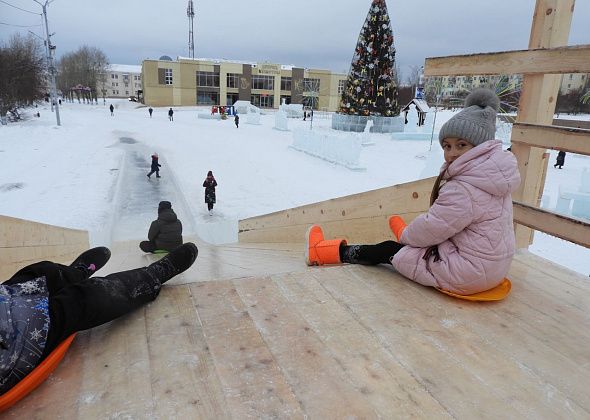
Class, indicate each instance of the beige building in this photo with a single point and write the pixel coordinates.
(221, 82)
(121, 81)
(452, 84)
(571, 82)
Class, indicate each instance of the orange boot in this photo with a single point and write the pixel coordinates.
(319, 251)
(397, 226)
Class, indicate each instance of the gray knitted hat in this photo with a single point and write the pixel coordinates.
(476, 123)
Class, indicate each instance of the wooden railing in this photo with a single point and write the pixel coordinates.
(360, 218)
(542, 64)
(23, 242)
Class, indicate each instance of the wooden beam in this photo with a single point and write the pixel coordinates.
(568, 228)
(360, 218)
(575, 59)
(550, 29)
(573, 140)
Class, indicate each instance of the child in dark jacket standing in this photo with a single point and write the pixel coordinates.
(210, 183)
(155, 166)
(465, 242)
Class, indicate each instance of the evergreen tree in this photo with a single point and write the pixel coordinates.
(371, 87)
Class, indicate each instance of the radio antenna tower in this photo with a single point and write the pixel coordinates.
(190, 12)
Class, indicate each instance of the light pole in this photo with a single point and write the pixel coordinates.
(50, 48)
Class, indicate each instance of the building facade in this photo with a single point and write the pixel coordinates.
(120, 81)
(220, 82)
(451, 85)
(573, 82)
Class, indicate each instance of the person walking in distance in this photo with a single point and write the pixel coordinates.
(560, 159)
(155, 166)
(150, 111)
(112, 108)
(171, 114)
(210, 183)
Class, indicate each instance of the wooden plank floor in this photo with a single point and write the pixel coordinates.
(251, 332)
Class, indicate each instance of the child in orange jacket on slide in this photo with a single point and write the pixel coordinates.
(465, 242)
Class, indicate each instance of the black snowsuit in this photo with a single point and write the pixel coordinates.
(155, 167)
(112, 108)
(165, 232)
(210, 183)
(44, 303)
(171, 114)
(237, 120)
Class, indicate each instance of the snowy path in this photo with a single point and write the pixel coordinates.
(137, 196)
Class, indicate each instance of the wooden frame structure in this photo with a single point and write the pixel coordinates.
(547, 58)
(542, 64)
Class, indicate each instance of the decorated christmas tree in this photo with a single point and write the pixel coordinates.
(371, 87)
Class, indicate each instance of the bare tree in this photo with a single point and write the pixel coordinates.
(86, 66)
(414, 76)
(22, 73)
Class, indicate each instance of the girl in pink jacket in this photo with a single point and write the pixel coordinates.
(465, 243)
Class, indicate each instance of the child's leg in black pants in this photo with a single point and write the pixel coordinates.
(380, 253)
(96, 301)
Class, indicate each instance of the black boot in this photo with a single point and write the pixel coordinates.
(174, 263)
(92, 260)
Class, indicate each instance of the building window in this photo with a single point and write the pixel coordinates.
(263, 82)
(126, 84)
(287, 99)
(207, 98)
(126, 77)
(113, 92)
(207, 79)
(112, 83)
(231, 98)
(126, 92)
(168, 76)
(233, 80)
(341, 86)
(116, 76)
(286, 83)
(112, 76)
(571, 76)
(262, 101)
(117, 92)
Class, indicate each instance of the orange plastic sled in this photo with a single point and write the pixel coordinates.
(497, 293)
(36, 377)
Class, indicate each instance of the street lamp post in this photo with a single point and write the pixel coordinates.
(50, 49)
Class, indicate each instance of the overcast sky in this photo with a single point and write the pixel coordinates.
(306, 33)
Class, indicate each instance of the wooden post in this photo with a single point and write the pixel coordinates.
(550, 28)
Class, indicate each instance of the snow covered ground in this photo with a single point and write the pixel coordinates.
(90, 172)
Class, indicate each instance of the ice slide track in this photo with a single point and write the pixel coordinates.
(136, 199)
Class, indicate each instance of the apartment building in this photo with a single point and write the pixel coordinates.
(121, 81)
(187, 81)
(572, 82)
(450, 85)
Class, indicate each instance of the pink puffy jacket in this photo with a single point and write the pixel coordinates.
(471, 222)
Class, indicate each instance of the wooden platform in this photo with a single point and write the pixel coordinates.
(251, 332)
